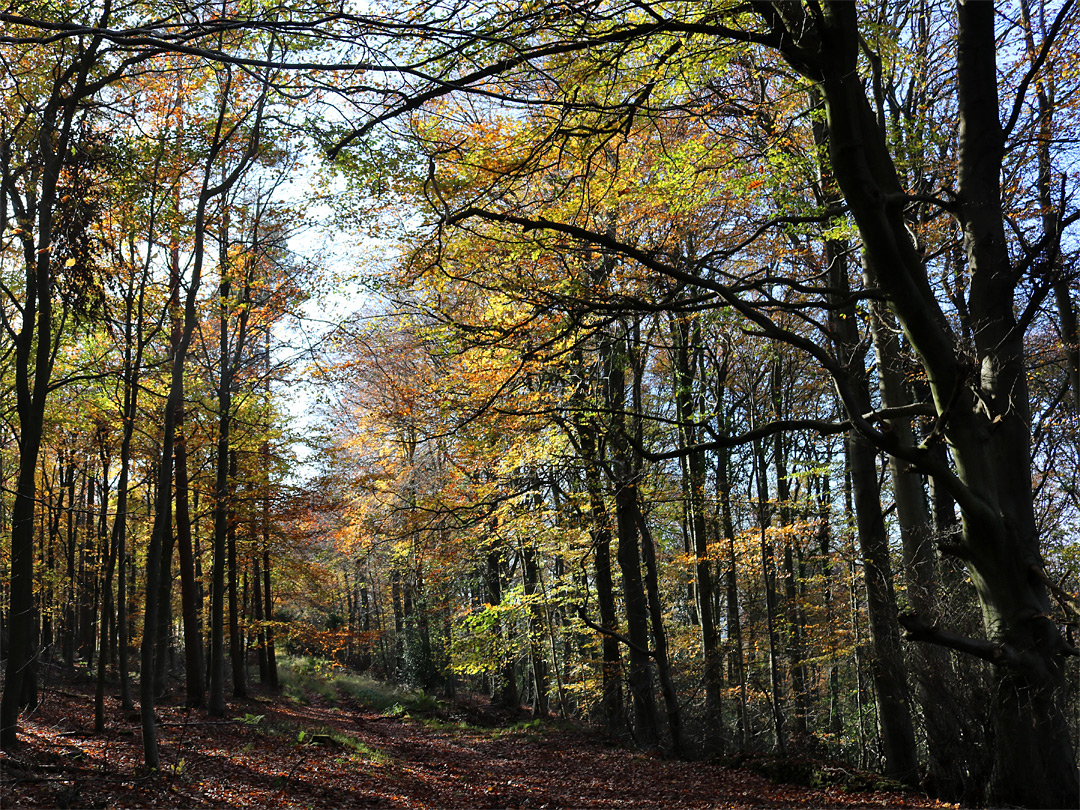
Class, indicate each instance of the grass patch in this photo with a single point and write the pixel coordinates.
(439, 724)
(328, 738)
(303, 677)
(358, 747)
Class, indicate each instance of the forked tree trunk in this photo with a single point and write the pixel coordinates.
(982, 409)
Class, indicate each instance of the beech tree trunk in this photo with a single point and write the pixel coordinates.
(611, 698)
(888, 672)
(537, 620)
(687, 352)
(624, 480)
(659, 636)
(236, 639)
(268, 611)
(195, 692)
(982, 408)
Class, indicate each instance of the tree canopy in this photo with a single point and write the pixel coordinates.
(725, 350)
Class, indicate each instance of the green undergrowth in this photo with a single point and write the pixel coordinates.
(325, 738)
(531, 728)
(303, 678)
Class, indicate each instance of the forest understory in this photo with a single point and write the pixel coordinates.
(314, 750)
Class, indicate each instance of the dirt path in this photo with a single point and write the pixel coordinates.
(320, 756)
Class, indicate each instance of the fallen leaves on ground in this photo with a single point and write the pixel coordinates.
(279, 754)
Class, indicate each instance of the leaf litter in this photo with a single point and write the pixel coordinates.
(276, 753)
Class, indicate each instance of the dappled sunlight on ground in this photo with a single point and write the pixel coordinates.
(274, 752)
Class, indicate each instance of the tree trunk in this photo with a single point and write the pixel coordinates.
(768, 575)
(611, 677)
(687, 358)
(987, 428)
(33, 361)
(624, 479)
(268, 611)
(163, 653)
(936, 689)
(20, 677)
(236, 639)
(217, 570)
(505, 690)
(260, 632)
(793, 632)
(660, 648)
(736, 661)
(888, 671)
(195, 693)
(106, 607)
(537, 621)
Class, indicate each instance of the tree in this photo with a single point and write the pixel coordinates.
(976, 377)
(49, 158)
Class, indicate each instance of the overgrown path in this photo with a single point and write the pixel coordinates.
(280, 753)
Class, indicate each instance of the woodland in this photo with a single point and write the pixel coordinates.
(704, 376)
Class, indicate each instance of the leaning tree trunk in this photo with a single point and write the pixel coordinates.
(889, 673)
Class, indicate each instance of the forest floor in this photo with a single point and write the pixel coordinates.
(315, 750)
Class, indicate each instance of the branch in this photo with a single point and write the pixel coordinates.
(916, 629)
(609, 632)
(1064, 598)
(1036, 66)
